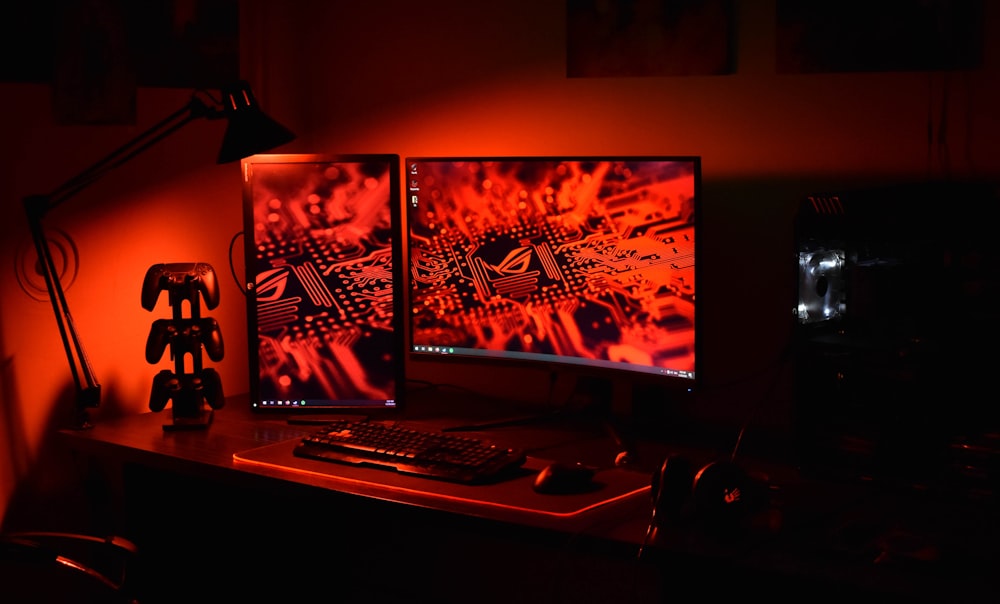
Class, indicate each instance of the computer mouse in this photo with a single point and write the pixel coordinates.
(560, 478)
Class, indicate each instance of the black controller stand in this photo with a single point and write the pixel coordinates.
(186, 337)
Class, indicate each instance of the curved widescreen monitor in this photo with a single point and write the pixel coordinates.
(323, 261)
(585, 262)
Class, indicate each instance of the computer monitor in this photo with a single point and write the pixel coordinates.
(583, 264)
(323, 259)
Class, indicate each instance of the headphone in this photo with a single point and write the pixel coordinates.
(720, 498)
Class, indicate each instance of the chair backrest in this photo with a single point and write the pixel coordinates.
(65, 567)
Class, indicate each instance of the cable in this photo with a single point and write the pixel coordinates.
(929, 125)
(553, 376)
(942, 138)
(970, 162)
(749, 375)
(768, 392)
(232, 267)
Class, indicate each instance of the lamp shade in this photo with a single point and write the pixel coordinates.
(250, 130)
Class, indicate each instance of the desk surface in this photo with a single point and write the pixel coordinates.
(883, 542)
(240, 442)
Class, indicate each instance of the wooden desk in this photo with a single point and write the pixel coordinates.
(215, 517)
(239, 442)
(212, 526)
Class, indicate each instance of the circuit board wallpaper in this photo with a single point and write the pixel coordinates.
(323, 291)
(587, 261)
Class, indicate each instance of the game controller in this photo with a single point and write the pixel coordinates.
(205, 385)
(184, 336)
(183, 281)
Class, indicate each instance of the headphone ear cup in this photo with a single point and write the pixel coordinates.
(671, 489)
(723, 497)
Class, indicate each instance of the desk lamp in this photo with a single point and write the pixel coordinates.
(249, 131)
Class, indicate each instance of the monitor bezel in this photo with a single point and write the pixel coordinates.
(610, 371)
(352, 406)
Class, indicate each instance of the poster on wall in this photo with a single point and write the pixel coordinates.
(93, 71)
(643, 38)
(827, 36)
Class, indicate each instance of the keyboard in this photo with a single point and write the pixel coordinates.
(419, 452)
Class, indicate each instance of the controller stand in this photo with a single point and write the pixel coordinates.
(187, 337)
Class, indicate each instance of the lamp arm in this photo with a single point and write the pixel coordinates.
(88, 390)
(193, 110)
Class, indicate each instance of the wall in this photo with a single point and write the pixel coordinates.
(457, 77)
(448, 77)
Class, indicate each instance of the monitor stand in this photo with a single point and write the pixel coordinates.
(322, 419)
(591, 401)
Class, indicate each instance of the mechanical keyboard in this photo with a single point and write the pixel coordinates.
(407, 450)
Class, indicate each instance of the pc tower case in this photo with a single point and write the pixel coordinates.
(896, 333)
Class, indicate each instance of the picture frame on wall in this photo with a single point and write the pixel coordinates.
(649, 38)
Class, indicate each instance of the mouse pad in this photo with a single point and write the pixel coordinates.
(512, 499)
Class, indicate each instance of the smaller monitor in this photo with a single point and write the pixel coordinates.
(322, 240)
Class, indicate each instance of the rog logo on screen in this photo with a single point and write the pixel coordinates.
(271, 284)
(515, 262)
